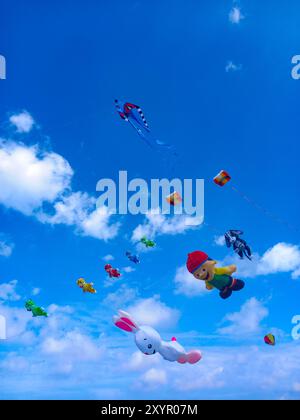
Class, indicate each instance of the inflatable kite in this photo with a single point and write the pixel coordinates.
(147, 242)
(222, 178)
(270, 339)
(133, 258)
(149, 342)
(112, 272)
(86, 287)
(36, 310)
(240, 246)
(174, 198)
(134, 115)
(203, 268)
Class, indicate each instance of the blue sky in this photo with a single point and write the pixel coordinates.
(214, 79)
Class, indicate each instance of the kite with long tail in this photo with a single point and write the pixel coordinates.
(134, 115)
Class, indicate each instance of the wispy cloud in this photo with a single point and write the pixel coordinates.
(232, 67)
(8, 291)
(235, 15)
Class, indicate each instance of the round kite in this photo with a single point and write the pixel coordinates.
(270, 339)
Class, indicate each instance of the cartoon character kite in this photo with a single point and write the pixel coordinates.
(36, 310)
(149, 342)
(133, 258)
(240, 246)
(112, 272)
(147, 242)
(86, 287)
(203, 268)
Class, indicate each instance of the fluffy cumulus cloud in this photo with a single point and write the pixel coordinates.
(247, 321)
(187, 285)
(33, 179)
(219, 240)
(29, 177)
(66, 349)
(280, 258)
(153, 312)
(160, 224)
(235, 15)
(23, 122)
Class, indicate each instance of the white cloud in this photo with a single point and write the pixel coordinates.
(232, 67)
(35, 291)
(8, 291)
(187, 285)
(247, 320)
(73, 345)
(6, 248)
(154, 378)
(160, 224)
(78, 210)
(108, 258)
(23, 122)
(153, 312)
(128, 269)
(30, 177)
(139, 361)
(219, 240)
(96, 225)
(235, 15)
(122, 296)
(281, 258)
(69, 351)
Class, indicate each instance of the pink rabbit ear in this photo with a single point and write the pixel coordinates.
(129, 322)
(124, 316)
(123, 326)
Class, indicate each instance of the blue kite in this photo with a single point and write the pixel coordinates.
(134, 115)
(133, 258)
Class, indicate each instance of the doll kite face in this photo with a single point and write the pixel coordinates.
(206, 271)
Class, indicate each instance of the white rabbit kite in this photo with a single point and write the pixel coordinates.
(149, 341)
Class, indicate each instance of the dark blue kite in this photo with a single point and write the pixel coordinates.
(134, 115)
(133, 258)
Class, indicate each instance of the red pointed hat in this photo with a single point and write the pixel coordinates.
(195, 260)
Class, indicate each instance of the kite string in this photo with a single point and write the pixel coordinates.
(263, 210)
